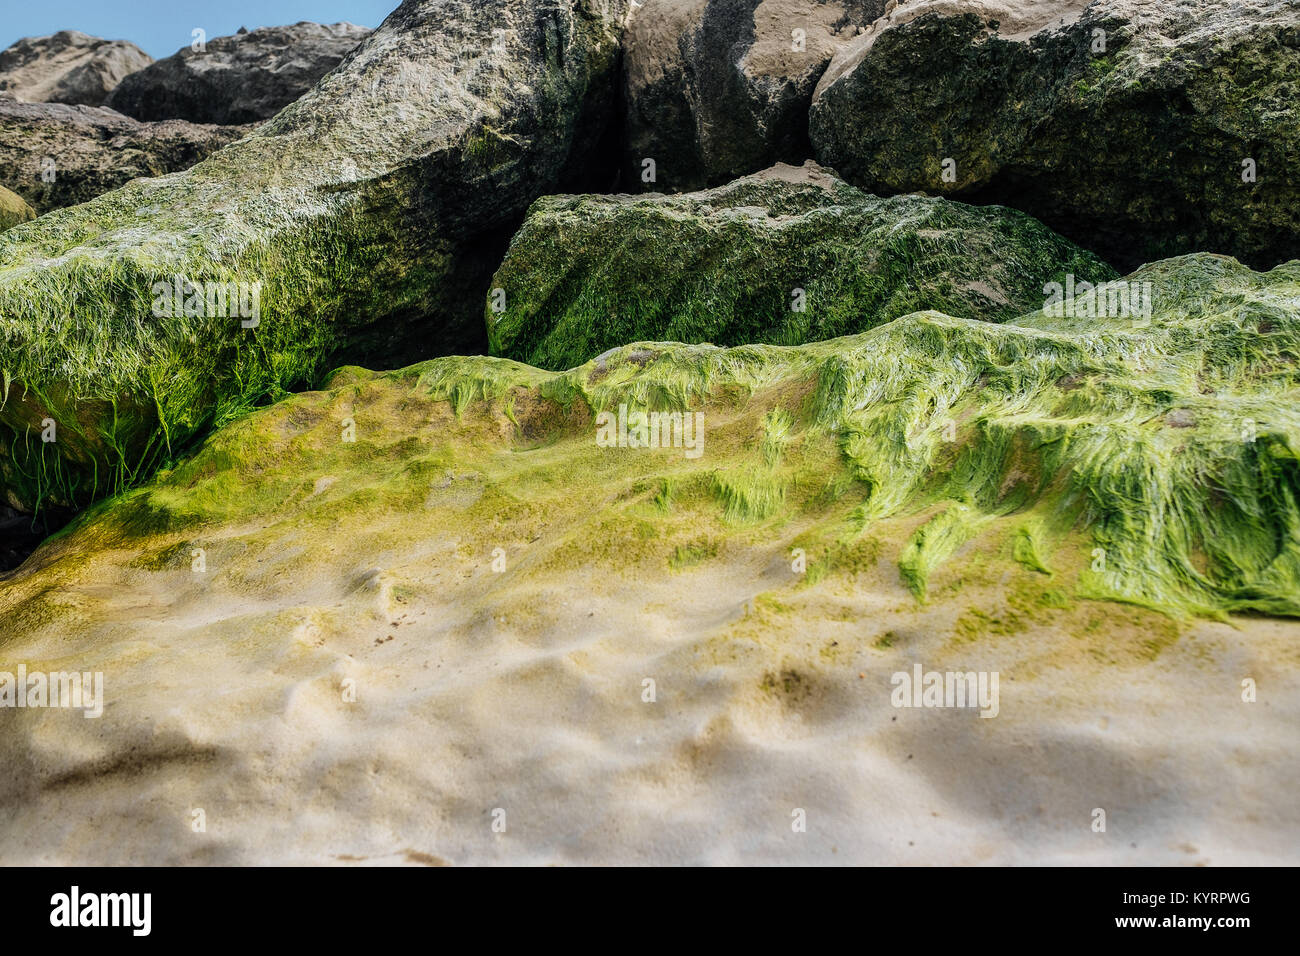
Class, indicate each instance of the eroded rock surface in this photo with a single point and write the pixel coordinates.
(68, 67)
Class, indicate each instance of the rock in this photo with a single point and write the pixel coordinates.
(55, 155)
(13, 209)
(1128, 126)
(361, 223)
(716, 89)
(243, 78)
(68, 67)
(415, 616)
(786, 256)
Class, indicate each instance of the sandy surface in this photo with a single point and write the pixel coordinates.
(522, 690)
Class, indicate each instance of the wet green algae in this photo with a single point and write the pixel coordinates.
(1150, 461)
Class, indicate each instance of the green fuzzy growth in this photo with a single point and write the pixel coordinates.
(1143, 458)
(784, 257)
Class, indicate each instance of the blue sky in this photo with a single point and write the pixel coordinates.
(161, 27)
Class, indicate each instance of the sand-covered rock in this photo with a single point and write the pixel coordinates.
(13, 209)
(237, 79)
(55, 155)
(362, 222)
(1138, 128)
(716, 89)
(68, 67)
(369, 623)
(786, 256)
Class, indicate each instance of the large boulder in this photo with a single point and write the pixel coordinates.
(716, 89)
(362, 222)
(243, 78)
(1140, 129)
(786, 256)
(463, 608)
(68, 67)
(13, 209)
(55, 155)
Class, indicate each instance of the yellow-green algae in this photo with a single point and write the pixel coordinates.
(1151, 461)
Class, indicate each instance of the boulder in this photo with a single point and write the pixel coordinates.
(786, 256)
(362, 222)
(68, 67)
(1139, 129)
(55, 155)
(243, 78)
(716, 89)
(13, 209)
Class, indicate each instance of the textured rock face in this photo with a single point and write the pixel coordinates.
(786, 256)
(55, 155)
(1136, 127)
(336, 609)
(243, 78)
(68, 67)
(716, 89)
(362, 222)
(13, 209)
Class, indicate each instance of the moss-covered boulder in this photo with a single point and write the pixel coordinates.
(55, 155)
(362, 222)
(786, 256)
(716, 89)
(1142, 130)
(13, 209)
(373, 587)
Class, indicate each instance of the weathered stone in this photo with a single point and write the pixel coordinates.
(716, 89)
(68, 67)
(1138, 128)
(237, 79)
(786, 256)
(55, 155)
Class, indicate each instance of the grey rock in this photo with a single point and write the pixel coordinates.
(716, 89)
(237, 79)
(1131, 126)
(55, 155)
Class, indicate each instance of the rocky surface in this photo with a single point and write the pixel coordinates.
(716, 89)
(55, 155)
(237, 79)
(432, 596)
(13, 209)
(365, 218)
(786, 256)
(1138, 128)
(68, 67)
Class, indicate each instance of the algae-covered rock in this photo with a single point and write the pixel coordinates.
(55, 155)
(1139, 129)
(361, 222)
(786, 256)
(237, 79)
(379, 583)
(716, 89)
(68, 67)
(13, 209)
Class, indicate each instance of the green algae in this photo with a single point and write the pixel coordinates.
(1149, 460)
